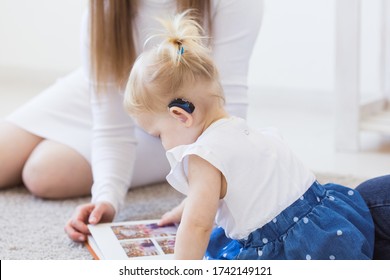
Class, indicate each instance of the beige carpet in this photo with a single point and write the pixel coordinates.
(32, 228)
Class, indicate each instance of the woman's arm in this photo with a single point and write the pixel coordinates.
(113, 148)
(113, 153)
(113, 137)
(200, 209)
(236, 26)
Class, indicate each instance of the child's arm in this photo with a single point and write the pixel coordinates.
(200, 209)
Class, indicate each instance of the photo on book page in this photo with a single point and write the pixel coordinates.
(127, 240)
(143, 231)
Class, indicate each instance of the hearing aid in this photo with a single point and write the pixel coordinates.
(183, 104)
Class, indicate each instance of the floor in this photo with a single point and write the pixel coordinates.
(305, 119)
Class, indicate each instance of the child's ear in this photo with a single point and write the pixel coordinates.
(181, 115)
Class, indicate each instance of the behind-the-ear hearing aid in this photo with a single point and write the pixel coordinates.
(183, 104)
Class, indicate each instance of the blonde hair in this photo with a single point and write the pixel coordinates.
(111, 36)
(168, 70)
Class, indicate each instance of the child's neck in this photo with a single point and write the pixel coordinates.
(213, 116)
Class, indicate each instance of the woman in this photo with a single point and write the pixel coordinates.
(76, 134)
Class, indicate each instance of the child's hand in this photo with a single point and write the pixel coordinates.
(76, 227)
(173, 216)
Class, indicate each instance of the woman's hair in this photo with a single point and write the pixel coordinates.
(169, 70)
(111, 36)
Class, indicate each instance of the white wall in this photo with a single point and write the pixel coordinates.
(295, 46)
(371, 40)
(294, 50)
(40, 35)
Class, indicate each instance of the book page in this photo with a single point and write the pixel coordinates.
(139, 239)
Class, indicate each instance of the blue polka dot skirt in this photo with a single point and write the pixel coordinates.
(329, 222)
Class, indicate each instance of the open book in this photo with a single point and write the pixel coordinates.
(128, 240)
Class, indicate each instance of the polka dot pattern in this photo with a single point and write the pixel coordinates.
(310, 253)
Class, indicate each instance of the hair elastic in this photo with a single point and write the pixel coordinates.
(180, 50)
(183, 104)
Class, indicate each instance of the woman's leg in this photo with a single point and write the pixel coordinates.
(48, 169)
(55, 165)
(55, 171)
(16, 146)
(376, 193)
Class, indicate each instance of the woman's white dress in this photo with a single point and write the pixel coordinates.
(97, 127)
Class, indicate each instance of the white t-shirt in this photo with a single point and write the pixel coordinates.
(263, 175)
(236, 25)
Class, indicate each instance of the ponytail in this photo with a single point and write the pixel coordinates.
(182, 33)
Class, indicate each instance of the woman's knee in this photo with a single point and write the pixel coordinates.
(374, 189)
(39, 175)
(56, 171)
(37, 180)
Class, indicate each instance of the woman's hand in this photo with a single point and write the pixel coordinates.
(173, 216)
(91, 213)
